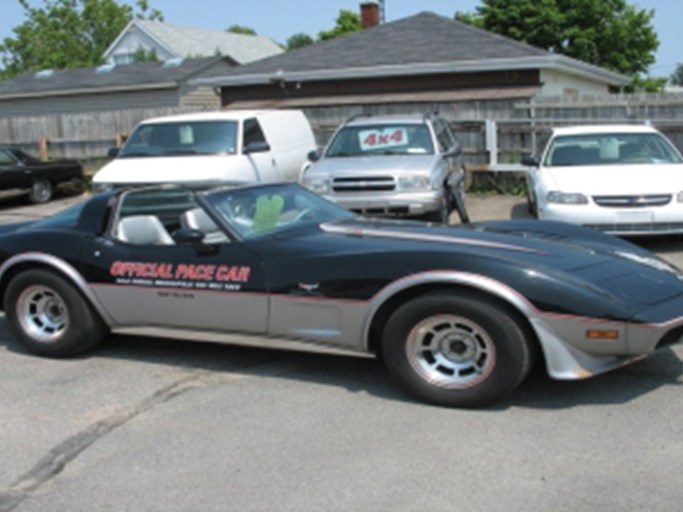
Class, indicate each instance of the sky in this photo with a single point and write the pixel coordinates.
(279, 19)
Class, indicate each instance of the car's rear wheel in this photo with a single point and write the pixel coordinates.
(49, 316)
(455, 350)
(41, 191)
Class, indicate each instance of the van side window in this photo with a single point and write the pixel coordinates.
(252, 132)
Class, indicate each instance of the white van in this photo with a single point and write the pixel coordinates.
(205, 149)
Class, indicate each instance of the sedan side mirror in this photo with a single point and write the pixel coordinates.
(530, 161)
(113, 152)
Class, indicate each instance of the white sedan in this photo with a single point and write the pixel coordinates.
(622, 179)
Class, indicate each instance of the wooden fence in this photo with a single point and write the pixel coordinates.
(523, 126)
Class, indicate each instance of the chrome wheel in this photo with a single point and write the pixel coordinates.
(42, 313)
(450, 351)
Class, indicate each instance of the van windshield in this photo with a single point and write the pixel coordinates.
(182, 138)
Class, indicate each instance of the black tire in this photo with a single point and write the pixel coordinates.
(532, 206)
(49, 316)
(457, 351)
(41, 191)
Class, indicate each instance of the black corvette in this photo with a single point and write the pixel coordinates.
(458, 314)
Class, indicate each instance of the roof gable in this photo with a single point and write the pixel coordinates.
(184, 41)
(420, 44)
(425, 37)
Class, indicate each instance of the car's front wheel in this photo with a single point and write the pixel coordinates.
(49, 316)
(456, 350)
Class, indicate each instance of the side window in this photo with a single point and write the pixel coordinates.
(443, 135)
(6, 158)
(252, 132)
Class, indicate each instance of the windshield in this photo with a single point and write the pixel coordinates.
(381, 139)
(611, 149)
(182, 138)
(273, 209)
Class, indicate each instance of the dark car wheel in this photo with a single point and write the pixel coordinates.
(531, 205)
(456, 351)
(41, 191)
(49, 316)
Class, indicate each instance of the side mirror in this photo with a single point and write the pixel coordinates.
(193, 237)
(113, 152)
(255, 147)
(530, 161)
(314, 155)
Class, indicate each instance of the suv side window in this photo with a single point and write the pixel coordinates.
(443, 135)
(252, 132)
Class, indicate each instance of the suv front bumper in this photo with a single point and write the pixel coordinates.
(398, 204)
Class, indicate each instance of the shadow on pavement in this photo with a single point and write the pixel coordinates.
(365, 375)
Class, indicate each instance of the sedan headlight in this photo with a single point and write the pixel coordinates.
(566, 197)
(413, 182)
(317, 184)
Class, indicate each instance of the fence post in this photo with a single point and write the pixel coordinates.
(43, 153)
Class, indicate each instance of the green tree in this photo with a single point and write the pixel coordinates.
(143, 54)
(676, 77)
(67, 34)
(608, 33)
(240, 29)
(347, 22)
(299, 41)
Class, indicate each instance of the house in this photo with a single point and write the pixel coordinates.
(109, 87)
(425, 58)
(175, 41)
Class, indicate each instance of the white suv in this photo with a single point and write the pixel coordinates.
(405, 165)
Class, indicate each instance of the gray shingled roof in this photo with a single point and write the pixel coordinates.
(129, 76)
(191, 41)
(422, 41)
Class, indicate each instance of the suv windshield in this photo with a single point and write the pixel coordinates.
(610, 149)
(382, 139)
(182, 138)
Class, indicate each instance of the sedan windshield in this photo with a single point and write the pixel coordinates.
(611, 149)
(182, 138)
(384, 139)
(272, 209)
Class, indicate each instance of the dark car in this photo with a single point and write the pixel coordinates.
(458, 314)
(21, 171)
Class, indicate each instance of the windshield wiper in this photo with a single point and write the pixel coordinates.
(180, 152)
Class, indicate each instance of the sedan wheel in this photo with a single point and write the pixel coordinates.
(41, 191)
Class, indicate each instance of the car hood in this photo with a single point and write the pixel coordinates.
(617, 179)
(195, 169)
(373, 164)
(565, 254)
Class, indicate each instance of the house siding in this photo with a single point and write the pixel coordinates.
(436, 82)
(559, 84)
(135, 39)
